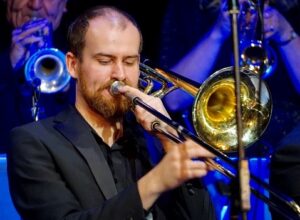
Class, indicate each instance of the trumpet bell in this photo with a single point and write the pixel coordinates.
(259, 59)
(49, 66)
(214, 109)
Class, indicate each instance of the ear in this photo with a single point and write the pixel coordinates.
(72, 64)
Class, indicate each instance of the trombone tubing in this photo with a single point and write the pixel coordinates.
(186, 133)
(183, 131)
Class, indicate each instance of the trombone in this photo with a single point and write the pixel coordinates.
(213, 111)
(215, 97)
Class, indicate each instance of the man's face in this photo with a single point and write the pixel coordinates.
(111, 53)
(21, 11)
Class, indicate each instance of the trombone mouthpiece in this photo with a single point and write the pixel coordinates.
(115, 86)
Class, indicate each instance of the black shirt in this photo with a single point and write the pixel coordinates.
(126, 158)
(130, 157)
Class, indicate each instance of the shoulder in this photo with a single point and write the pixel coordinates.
(42, 129)
(38, 138)
(33, 127)
(29, 136)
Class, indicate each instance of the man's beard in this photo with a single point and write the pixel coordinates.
(109, 107)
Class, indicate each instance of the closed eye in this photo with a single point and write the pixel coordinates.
(105, 62)
(131, 61)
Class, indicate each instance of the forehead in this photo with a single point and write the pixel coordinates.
(112, 33)
(111, 22)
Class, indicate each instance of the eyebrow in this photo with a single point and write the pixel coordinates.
(112, 56)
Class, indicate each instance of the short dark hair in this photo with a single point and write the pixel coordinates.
(78, 29)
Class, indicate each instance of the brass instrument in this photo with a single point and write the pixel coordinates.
(214, 106)
(259, 59)
(217, 96)
(256, 55)
(214, 110)
(47, 64)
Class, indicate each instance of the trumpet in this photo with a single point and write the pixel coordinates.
(220, 95)
(256, 55)
(47, 64)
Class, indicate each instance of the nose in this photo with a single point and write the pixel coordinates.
(119, 72)
(35, 4)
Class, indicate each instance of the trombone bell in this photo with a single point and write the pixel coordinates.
(214, 109)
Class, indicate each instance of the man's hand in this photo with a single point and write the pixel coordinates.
(276, 27)
(26, 40)
(181, 163)
(144, 117)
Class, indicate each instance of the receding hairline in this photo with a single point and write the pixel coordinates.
(118, 19)
(112, 22)
(114, 16)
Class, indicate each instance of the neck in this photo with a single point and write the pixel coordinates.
(110, 130)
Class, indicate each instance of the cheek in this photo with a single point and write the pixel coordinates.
(14, 14)
(135, 82)
(95, 79)
(54, 11)
(133, 78)
(17, 5)
(54, 8)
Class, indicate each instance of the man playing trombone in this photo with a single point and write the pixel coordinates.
(91, 161)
